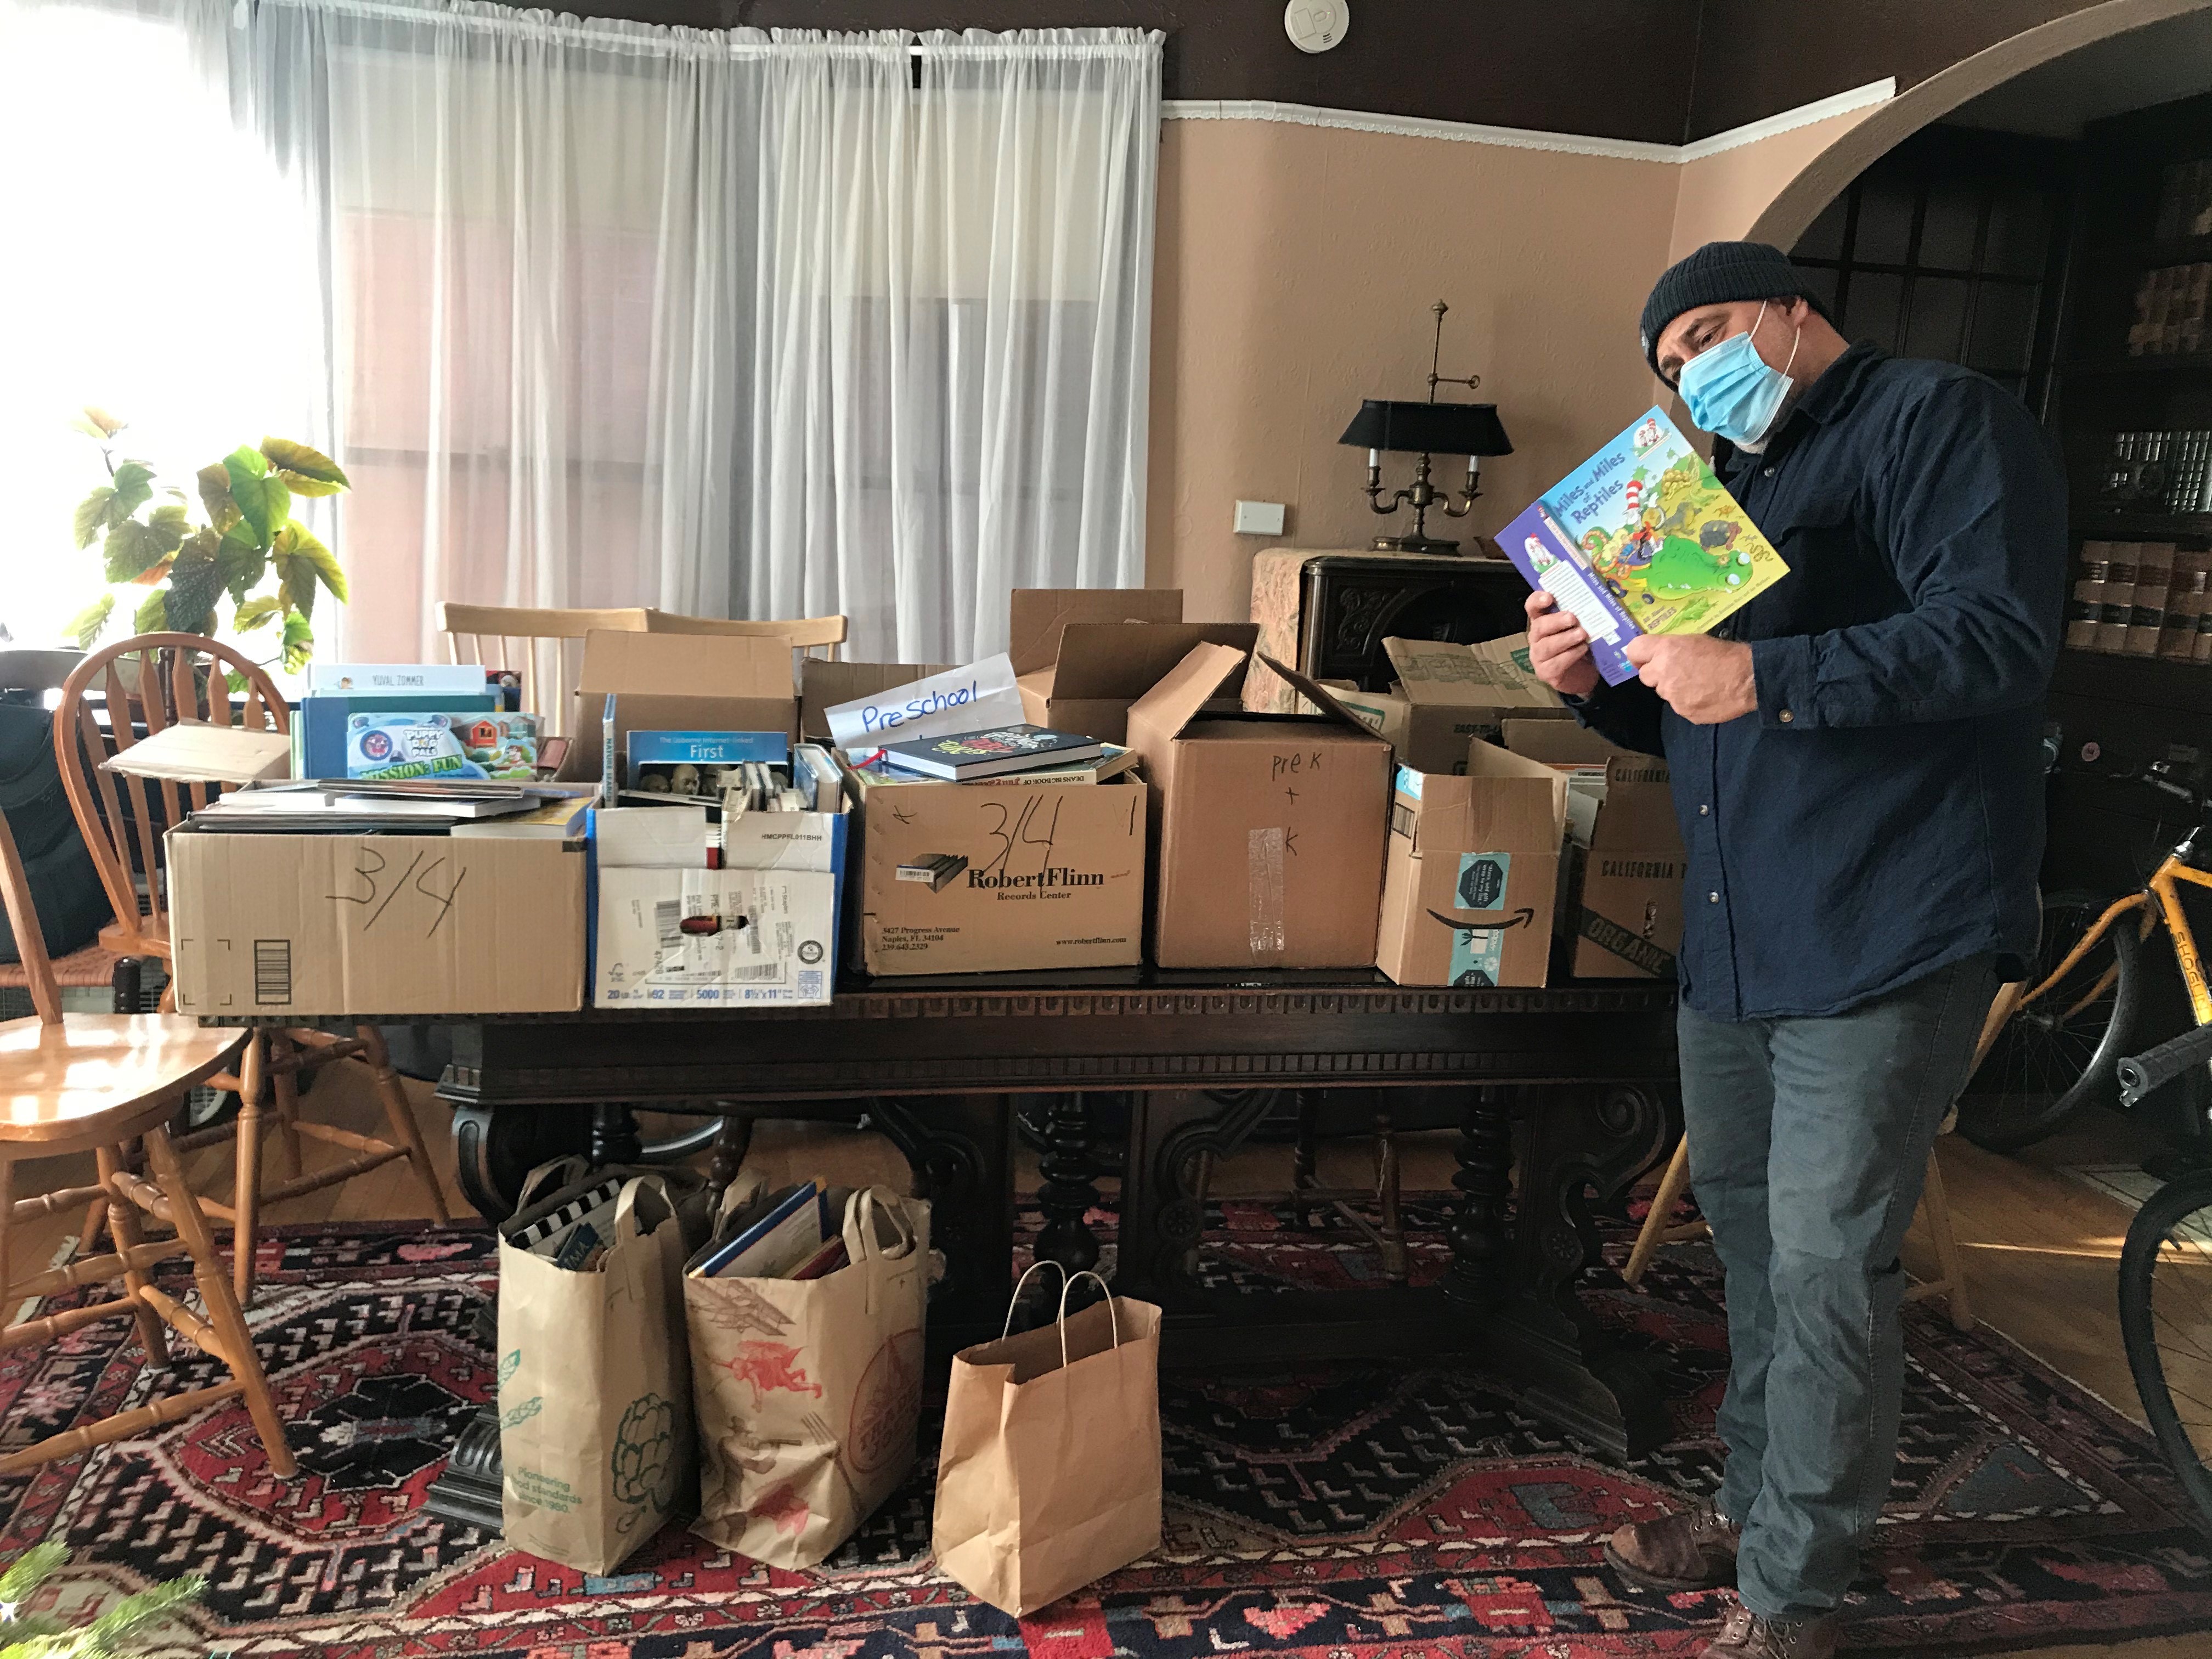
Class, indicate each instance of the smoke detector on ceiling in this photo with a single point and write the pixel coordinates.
(1315, 24)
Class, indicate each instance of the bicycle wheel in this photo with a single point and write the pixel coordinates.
(2166, 1320)
(2051, 1058)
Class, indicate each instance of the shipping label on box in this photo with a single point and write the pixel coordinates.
(689, 938)
(960, 879)
(326, 926)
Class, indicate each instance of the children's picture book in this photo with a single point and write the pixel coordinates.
(1642, 538)
(988, 754)
(442, 744)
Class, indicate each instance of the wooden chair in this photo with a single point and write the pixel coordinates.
(1660, 1228)
(545, 646)
(824, 633)
(88, 966)
(153, 680)
(73, 1083)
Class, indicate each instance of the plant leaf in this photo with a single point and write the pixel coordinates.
(170, 518)
(133, 549)
(193, 589)
(249, 493)
(153, 615)
(92, 515)
(309, 472)
(84, 628)
(243, 567)
(95, 423)
(299, 642)
(255, 612)
(134, 488)
(277, 499)
(214, 495)
(296, 542)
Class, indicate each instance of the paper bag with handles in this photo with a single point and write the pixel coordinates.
(1048, 1476)
(809, 1391)
(594, 1376)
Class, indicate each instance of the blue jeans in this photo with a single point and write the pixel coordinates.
(1808, 1145)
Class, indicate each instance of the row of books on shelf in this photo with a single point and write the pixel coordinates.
(2163, 471)
(2185, 200)
(2171, 304)
(2142, 599)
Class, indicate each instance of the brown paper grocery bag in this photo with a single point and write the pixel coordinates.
(595, 1391)
(809, 1392)
(1048, 1476)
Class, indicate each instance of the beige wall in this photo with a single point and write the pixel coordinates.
(1720, 197)
(1295, 270)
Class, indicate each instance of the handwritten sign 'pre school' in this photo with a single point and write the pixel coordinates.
(959, 699)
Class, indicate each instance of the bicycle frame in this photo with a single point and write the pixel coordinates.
(2164, 887)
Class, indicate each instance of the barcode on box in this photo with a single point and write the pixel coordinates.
(667, 923)
(753, 972)
(273, 971)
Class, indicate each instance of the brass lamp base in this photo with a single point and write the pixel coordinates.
(1412, 544)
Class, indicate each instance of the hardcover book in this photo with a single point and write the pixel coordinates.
(1002, 749)
(1642, 538)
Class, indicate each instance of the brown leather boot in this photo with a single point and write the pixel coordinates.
(1693, 1550)
(1745, 1635)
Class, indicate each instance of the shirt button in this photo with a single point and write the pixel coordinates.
(1770, 472)
(1786, 717)
(1712, 898)
(1705, 810)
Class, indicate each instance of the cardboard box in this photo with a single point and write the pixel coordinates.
(1449, 696)
(823, 685)
(676, 683)
(1625, 884)
(1269, 827)
(759, 930)
(958, 879)
(323, 926)
(1471, 880)
(1082, 656)
(1103, 667)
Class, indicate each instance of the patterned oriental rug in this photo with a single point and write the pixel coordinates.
(1335, 1512)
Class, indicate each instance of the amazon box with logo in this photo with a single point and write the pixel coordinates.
(1472, 877)
(1082, 656)
(325, 926)
(1269, 827)
(999, 877)
(674, 682)
(1624, 914)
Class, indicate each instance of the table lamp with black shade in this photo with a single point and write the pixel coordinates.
(1424, 429)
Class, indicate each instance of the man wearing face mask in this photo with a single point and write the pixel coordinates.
(1856, 771)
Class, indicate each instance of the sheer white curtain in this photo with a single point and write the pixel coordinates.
(727, 322)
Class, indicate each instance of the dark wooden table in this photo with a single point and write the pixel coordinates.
(1571, 1087)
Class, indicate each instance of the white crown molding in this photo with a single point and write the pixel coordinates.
(1569, 143)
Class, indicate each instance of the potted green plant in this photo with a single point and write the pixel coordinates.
(149, 539)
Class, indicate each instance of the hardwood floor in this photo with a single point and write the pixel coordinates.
(2042, 1246)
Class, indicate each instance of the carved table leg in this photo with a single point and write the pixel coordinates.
(615, 1139)
(1479, 1235)
(1067, 1192)
(1580, 1139)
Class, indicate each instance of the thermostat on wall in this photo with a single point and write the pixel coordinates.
(1315, 24)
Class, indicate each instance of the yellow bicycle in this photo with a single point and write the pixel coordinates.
(2086, 999)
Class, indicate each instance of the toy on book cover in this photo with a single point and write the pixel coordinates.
(1642, 538)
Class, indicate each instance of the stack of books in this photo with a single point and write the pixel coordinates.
(1001, 754)
(2142, 599)
(2165, 471)
(2171, 303)
(400, 720)
(345, 807)
(789, 1235)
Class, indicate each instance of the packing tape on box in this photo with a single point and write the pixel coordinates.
(1263, 890)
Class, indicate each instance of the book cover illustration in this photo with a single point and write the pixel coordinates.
(445, 746)
(1003, 743)
(1642, 538)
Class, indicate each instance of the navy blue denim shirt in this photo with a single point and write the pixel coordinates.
(1881, 814)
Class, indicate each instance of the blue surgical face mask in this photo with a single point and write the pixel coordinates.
(1734, 394)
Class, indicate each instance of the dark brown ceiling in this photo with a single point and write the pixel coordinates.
(1662, 70)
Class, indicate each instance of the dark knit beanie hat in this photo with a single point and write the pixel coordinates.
(1717, 273)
